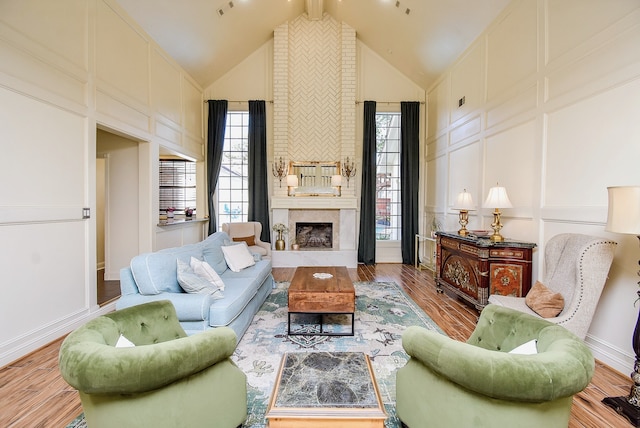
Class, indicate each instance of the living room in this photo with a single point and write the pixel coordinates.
(550, 95)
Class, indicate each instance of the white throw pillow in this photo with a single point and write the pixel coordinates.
(192, 283)
(528, 348)
(204, 270)
(238, 256)
(123, 342)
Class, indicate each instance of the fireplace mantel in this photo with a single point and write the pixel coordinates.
(314, 203)
(339, 210)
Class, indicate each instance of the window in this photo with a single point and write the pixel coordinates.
(233, 180)
(177, 185)
(388, 176)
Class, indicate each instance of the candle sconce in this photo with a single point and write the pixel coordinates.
(280, 169)
(348, 170)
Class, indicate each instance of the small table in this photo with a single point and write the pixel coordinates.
(323, 296)
(321, 389)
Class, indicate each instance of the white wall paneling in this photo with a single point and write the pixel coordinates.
(64, 71)
(558, 125)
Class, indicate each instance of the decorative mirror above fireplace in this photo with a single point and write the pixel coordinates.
(314, 178)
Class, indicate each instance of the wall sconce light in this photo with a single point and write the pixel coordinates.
(464, 203)
(497, 199)
(348, 170)
(292, 183)
(280, 169)
(336, 181)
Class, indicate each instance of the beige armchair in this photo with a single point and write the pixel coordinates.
(576, 266)
(250, 232)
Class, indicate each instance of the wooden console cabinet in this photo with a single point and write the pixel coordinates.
(474, 268)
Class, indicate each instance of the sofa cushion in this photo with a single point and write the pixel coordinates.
(238, 257)
(240, 289)
(192, 283)
(205, 271)
(212, 252)
(156, 272)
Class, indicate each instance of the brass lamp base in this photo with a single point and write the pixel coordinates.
(463, 220)
(496, 226)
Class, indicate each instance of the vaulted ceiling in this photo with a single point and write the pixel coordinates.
(420, 38)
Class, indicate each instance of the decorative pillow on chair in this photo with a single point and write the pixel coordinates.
(543, 301)
(528, 348)
(192, 283)
(204, 270)
(123, 342)
(250, 240)
(238, 257)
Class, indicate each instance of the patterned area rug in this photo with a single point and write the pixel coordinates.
(383, 311)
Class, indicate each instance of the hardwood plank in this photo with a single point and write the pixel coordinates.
(35, 395)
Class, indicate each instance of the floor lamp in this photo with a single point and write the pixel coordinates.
(624, 217)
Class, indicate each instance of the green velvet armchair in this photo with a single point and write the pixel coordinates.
(448, 383)
(168, 379)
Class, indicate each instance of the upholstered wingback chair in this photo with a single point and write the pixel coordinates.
(576, 266)
(166, 380)
(447, 383)
(250, 233)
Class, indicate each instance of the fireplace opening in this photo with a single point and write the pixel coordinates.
(314, 235)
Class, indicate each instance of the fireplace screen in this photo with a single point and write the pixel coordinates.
(314, 235)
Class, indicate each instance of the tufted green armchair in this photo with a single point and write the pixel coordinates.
(166, 380)
(480, 384)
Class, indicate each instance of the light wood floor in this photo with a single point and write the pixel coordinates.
(32, 393)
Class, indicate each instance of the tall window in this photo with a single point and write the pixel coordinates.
(388, 176)
(177, 185)
(233, 181)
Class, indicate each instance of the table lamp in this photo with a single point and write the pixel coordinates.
(497, 199)
(292, 183)
(464, 203)
(624, 217)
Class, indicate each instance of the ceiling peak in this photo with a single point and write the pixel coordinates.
(314, 9)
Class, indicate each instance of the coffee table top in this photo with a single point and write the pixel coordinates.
(329, 385)
(304, 280)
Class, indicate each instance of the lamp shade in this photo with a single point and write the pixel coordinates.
(497, 198)
(624, 210)
(464, 201)
(292, 180)
(336, 180)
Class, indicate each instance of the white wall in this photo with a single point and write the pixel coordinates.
(551, 105)
(63, 73)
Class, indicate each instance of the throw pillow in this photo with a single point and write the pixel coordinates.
(192, 283)
(543, 301)
(238, 257)
(123, 342)
(204, 270)
(250, 240)
(528, 348)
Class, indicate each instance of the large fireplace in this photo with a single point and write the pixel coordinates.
(314, 235)
(324, 228)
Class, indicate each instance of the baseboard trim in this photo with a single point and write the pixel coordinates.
(30, 342)
(612, 356)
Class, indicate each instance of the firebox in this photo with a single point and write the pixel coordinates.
(314, 235)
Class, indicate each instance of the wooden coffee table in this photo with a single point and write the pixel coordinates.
(328, 296)
(326, 389)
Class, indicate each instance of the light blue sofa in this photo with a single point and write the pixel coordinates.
(153, 277)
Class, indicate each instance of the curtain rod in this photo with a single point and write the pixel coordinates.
(389, 102)
(245, 101)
